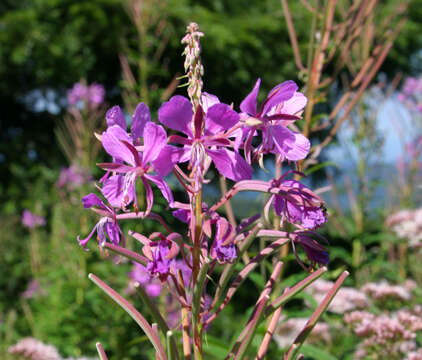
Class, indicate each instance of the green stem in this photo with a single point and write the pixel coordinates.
(196, 307)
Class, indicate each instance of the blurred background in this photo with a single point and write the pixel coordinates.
(63, 63)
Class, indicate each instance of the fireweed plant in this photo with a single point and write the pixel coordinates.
(207, 133)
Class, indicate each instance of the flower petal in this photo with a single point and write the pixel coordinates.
(115, 167)
(114, 116)
(91, 200)
(113, 191)
(83, 242)
(148, 194)
(295, 104)
(112, 143)
(291, 145)
(230, 164)
(164, 163)
(177, 114)
(249, 104)
(278, 94)
(208, 100)
(155, 138)
(113, 232)
(140, 118)
(220, 117)
(163, 186)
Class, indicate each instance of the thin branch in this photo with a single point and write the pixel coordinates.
(245, 338)
(268, 334)
(294, 348)
(134, 314)
(292, 35)
(101, 352)
(228, 205)
(240, 278)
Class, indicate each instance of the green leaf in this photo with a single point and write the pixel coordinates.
(316, 353)
(320, 166)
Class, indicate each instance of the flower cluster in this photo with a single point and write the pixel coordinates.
(33, 289)
(73, 177)
(289, 329)
(31, 220)
(391, 335)
(407, 224)
(92, 94)
(411, 93)
(33, 349)
(347, 298)
(212, 135)
(191, 139)
(384, 291)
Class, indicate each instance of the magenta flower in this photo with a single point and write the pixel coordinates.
(161, 254)
(185, 270)
(315, 252)
(73, 177)
(298, 205)
(223, 248)
(140, 118)
(31, 220)
(77, 93)
(32, 290)
(177, 115)
(278, 110)
(106, 227)
(95, 94)
(131, 164)
(141, 275)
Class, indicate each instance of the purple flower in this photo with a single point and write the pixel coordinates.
(412, 86)
(140, 118)
(209, 138)
(160, 264)
(106, 227)
(315, 252)
(161, 254)
(73, 177)
(95, 94)
(297, 204)
(223, 248)
(185, 270)
(281, 107)
(31, 220)
(32, 290)
(77, 93)
(131, 164)
(141, 275)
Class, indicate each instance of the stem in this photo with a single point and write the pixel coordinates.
(244, 341)
(131, 255)
(244, 274)
(229, 268)
(134, 314)
(171, 347)
(268, 335)
(288, 294)
(185, 334)
(197, 234)
(196, 307)
(170, 344)
(229, 209)
(101, 352)
(294, 348)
